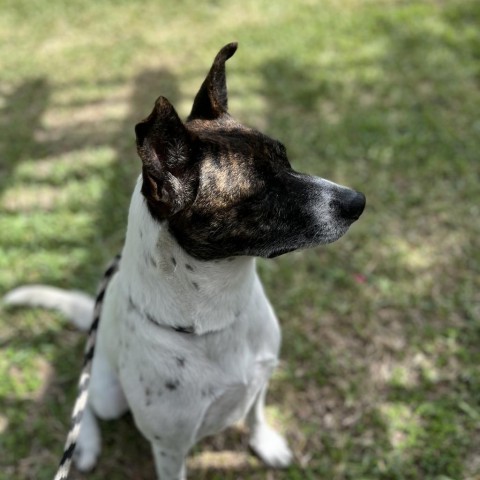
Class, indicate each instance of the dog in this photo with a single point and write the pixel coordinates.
(187, 339)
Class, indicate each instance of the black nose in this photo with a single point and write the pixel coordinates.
(352, 205)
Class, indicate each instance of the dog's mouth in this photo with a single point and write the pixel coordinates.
(321, 235)
(280, 251)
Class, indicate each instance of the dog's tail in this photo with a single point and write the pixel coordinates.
(76, 306)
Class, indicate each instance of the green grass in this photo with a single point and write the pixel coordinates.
(380, 378)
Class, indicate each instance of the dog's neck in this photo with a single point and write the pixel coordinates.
(173, 289)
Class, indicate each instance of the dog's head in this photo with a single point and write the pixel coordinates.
(225, 189)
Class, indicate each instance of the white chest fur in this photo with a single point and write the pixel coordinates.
(185, 384)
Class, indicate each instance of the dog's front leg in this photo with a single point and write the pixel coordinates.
(169, 463)
(267, 443)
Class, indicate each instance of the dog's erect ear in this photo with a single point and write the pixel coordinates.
(164, 146)
(211, 100)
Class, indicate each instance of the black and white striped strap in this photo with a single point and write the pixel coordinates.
(82, 397)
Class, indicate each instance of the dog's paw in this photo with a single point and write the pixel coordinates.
(88, 445)
(85, 459)
(271, 447)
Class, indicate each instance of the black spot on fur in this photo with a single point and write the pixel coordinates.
(148, 396)
(184, 329)
(174, 261)
(149, 259)
(208, 391)
(152, 319)
(180, 361)
(189, 267)
(131, 304)
(172, 384)
(195, 285)
(157, 437)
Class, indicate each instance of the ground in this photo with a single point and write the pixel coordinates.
(380, 372)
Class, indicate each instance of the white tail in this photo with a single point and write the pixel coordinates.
(75, 305)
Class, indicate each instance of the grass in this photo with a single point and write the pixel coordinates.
(380, 378)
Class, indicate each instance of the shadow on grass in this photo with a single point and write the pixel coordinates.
(20, 119)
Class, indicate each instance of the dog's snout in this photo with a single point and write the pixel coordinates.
(352, 205)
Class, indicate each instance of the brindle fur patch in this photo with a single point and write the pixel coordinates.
(222, 188)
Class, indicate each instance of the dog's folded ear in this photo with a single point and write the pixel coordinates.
(164, 146)
(211, 100)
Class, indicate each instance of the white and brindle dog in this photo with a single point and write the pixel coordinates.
(187, 339)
